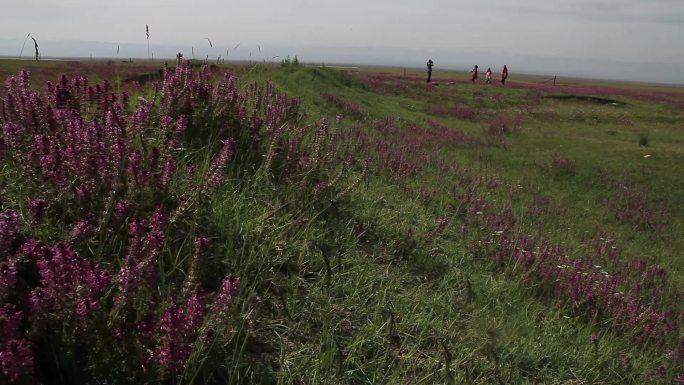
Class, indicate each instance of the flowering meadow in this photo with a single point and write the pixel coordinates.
(109, 264)
(291, 225)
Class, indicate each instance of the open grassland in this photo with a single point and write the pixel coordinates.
(300, 225)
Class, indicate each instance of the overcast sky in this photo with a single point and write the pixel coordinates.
(637, 39)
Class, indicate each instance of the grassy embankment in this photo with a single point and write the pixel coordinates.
(405, 279)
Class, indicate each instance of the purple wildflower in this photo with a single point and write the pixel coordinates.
(136, 227)
(443, 222)
(135, 167)
(83, 229)
(8, 278)
(3, 149)
(155, 154)
(38, 208)
(86, 307)
(595, 340)
(16, 359)
(82, 193)
(9, 228)
(130, 277)
(147, 327)
(141, 116)
(118, 154)
(659, 372)
(346, 105)
(179, 328)
(32, 250)
(10, 322)
(229, 290)
(181, 124)
(97, 280)
(156, 236)
(67, 279)
(216, 174)
(679, 351)
(190, 171)
(173, 352)
(197, 308)
(201, 243)
(167, 172)
(136, 235)
(366, 166)
(321, 186)
(120, 211)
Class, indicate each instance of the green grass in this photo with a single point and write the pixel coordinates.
(604, 142)
(347, 298)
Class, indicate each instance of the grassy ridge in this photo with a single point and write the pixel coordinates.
(394, 281)
(602, 143)
(601, 139)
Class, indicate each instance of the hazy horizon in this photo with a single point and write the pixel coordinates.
(630, 40)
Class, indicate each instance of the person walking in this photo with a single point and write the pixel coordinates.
(504, 75)
(430, 63)
(488, 76)
(474, 72)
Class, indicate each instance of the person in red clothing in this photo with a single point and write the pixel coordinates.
(474, 72)
(504, 75)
